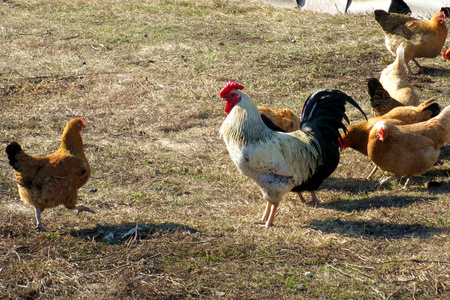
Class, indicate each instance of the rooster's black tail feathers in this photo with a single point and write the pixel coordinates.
(324, 110)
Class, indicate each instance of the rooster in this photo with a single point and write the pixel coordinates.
(52, 180)
(282, 162)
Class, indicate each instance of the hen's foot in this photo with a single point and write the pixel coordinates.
(81, 208)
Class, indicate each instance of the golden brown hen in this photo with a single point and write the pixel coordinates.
(357, 136)
(418, 38)
(395, 80)
(408, 150)
(52, 180)
(281, 117)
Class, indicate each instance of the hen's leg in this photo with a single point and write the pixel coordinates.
(406, 183)
(301, 197)
(273, 212)
(417, 65)
(81, 208)
(314, 199)
(266, 212)
(385, 181)
(375, 169)
(38, 220)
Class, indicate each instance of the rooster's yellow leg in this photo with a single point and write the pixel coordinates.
(406, 183)
(385, 181)
(273, 212)
(266, 212)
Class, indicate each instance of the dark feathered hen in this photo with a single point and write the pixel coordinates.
(282, 162)
(380, 99)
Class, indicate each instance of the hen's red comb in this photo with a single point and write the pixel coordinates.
(231, 85)
(445, 53)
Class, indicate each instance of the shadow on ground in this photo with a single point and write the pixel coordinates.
(121, 234)
(376, 230)
(434, 181)
(374, 202)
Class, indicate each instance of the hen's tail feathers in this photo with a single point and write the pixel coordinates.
(325, 110)
(431, 106)
(399, 7)
(389, 22)
(444, 120)
(383, 18)
(380, 99)
(12, 150)
(400, 60)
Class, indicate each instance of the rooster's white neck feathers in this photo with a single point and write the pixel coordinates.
(249, 127)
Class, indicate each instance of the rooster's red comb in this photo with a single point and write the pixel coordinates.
(231, 85)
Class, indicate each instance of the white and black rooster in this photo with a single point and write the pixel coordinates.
(282, 162)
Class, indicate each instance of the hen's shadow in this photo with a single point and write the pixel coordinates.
(375, 202)
(376, 230)
(120, 234)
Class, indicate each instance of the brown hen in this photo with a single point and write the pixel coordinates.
(418, 38)
(408, 150)
(52, 180)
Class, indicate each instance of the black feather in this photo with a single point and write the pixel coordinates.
(399, 7)
(321, 118)
(434, 108)
(324, 111)
(270, 124)
(446, 11)
(12, 150)
(380, 100)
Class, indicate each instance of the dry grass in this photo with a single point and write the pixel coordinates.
(174, 218)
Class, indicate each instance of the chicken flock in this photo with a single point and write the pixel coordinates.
(282, 152)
